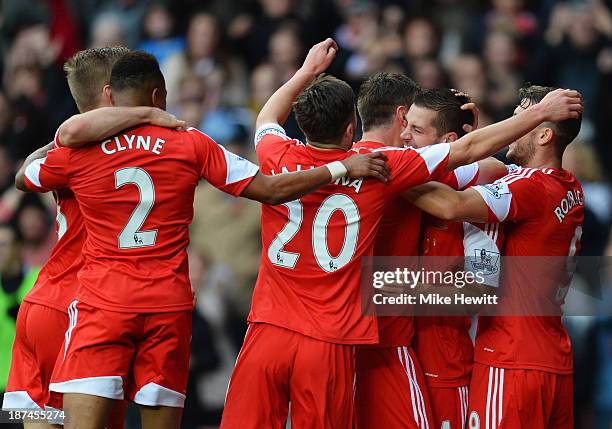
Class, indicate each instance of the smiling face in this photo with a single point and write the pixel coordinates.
(420, 131)
(523, 150)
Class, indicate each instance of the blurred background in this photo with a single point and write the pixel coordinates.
(222, 60)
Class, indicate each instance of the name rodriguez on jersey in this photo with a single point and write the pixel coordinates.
(574, 198)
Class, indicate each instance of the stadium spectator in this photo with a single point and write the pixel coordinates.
(34, 224)
(16, 279)
(224, 77)
(158, 32)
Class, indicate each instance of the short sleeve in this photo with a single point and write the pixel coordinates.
(56, 139)
(49, 173)
(271, 144)
(482, 250)
(461, 177)
(220, 167)
(411, 167)
(268, 130)
(513, 197)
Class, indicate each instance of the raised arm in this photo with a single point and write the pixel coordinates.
(290, 186)
(558, 105)
(104, 122)
(278, 107)
(445, 203)
(37, 154)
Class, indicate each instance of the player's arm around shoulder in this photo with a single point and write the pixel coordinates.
(443, 202)
(20, 177)
(490, 170)
(286, 187)
(48, 173)
(99, 124)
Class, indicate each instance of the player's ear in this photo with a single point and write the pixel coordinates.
(107, 96)
(349, 131)
(158, 98)
(400, 115)
(546, 135)
(348, 136)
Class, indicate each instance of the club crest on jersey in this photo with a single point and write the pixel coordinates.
(485, 261)
(497, 189)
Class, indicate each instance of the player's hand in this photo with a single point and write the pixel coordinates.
(476, 112)
(320, 57)
(562, 104)
(368, 165)
(164, 119)
(468, 128)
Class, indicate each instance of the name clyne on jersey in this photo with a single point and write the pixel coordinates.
(132, 142)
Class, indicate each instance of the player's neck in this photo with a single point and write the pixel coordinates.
(544, 162)
(324, 146)
(379, 135)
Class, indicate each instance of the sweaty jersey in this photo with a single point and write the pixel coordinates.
(398, 235)
(442, 343)
(543, 211)
(310, 272)
(56, 284)
(135, 192)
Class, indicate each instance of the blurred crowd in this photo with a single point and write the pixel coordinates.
(222, 59)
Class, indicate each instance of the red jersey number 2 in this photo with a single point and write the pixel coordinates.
(131, 237)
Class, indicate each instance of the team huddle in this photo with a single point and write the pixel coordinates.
(109, 319)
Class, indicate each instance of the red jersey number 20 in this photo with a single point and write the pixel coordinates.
(325, 260)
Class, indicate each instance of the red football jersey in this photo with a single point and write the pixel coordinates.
(57, 281)
(543, 211)
(136, 192)
(442, 343)
(56, 284)
(310, 273)
(398, 235)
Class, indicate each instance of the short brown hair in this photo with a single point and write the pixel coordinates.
(381, 94)
(565, 131)
(447, 105)
(324, 109)
(88, 71)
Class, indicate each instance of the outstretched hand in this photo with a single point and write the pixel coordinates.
(368, 165)
(320, 56)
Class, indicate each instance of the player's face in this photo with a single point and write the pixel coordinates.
(523, 149)
(419, 130)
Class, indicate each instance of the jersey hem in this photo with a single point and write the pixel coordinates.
(46, 303)
(316, 337)
(447, 384)
(521, 365)
(118, 309)
(390, 345)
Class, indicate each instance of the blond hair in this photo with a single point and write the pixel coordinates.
(88, 71)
